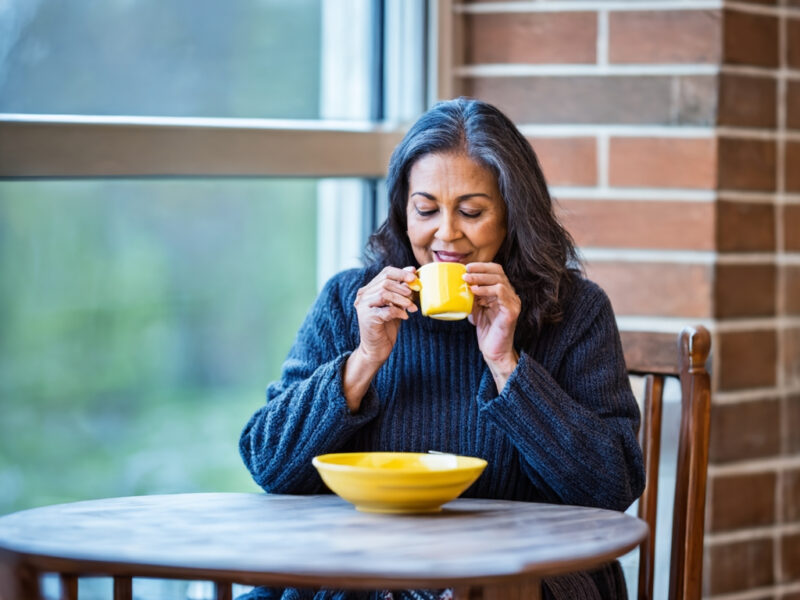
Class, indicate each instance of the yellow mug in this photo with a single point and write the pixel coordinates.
(443, 293)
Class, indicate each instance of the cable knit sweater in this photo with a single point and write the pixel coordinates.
(563, 429)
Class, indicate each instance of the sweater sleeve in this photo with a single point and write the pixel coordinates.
(575, 430)
(306, 413)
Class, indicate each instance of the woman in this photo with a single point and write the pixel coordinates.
(534, 381)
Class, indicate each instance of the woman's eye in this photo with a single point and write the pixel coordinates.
(471, 214)
(425, 213)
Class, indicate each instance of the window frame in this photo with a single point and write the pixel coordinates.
(59, 146)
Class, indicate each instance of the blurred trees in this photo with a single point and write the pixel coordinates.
(141, 320)
(238, 58)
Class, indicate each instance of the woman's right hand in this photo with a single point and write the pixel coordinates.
(380, 306)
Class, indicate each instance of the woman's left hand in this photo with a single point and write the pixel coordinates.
(494, 314)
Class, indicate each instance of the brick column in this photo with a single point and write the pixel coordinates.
(670, 134)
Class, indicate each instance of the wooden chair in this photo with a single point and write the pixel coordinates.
(654, 358)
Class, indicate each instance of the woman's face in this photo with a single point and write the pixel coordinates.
(455, 212)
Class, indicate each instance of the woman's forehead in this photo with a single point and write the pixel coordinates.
(451, 168)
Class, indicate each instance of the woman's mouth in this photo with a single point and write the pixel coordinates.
(441, 256)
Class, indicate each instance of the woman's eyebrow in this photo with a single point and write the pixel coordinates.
(460, 198)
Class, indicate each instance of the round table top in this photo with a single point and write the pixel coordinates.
(308, 540)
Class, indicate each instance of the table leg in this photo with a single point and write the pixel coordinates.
(528, 589)
(69, 587)
(18, 581)
(467, 593)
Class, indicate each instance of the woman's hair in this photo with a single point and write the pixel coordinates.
(538, 255)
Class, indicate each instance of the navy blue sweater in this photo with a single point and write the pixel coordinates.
(563, 429)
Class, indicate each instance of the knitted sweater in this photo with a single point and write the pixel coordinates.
(563, 429)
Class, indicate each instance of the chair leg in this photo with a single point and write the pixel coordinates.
(223, 590)
(69, 586)
(123, 588)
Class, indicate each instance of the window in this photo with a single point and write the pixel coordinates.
(176, 181)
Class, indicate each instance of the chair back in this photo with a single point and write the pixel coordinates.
(654, 357)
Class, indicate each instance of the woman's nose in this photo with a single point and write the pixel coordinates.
(448, 229)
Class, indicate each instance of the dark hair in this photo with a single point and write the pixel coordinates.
(538, 255)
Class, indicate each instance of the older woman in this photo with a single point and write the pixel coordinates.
(534, 381)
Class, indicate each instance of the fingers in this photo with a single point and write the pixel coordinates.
(485, 267)
(491, 287)
(390, 313)
(487, 279)
(390, 288)
(405, 278)
(384, 297)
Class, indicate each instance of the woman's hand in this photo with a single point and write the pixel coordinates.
(494, 314)
(380, 306)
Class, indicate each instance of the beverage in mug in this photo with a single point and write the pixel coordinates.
(443, 294)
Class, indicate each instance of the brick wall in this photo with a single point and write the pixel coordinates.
(670, 134)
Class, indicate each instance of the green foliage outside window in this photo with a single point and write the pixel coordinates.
(140, 324)
(141, 320)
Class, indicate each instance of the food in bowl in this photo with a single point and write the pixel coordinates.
(398, 482)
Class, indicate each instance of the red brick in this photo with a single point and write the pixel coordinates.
(747, 101)
(744, 430)
(793, 104)
(738, 566)
(663, 162)
(568, 161)
(642, 224)
(791, 356)
(664, 289)
(746, 290)
(745, 227)
(729, 512)
(539, 37)
(746, 164)
(654, 348)
(791, 166)
(747, 359)
(790, 558)
(791, 495)
(675, 36)
(597, 99)
(792, 442)
(793, 43)
(791, 227)
(791, 289)
(750, 39)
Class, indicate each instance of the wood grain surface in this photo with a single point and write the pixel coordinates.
(264, 539)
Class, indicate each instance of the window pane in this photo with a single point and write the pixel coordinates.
(238, 58)
(141, 322)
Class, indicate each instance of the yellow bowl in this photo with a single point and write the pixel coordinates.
(398, 482)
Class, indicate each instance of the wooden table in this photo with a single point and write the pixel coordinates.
(500, 546)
